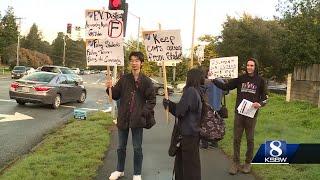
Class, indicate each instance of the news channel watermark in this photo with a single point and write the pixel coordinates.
(280, 152)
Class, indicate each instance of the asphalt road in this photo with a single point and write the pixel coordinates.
(17, 137)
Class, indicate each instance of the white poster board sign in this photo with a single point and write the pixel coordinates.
(200, 53)
(105, 52)
(102, 24)
(163, 45)
(225, 67)
(245, 108)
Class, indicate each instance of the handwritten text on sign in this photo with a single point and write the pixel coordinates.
(105, 52)
(226, 67)
(104, 24)
(163, 45)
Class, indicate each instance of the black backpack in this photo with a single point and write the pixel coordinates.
(212, 125)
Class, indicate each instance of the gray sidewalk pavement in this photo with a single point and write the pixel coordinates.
(157, 165)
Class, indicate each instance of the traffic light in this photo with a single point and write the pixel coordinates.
(69, 27)
(115, 4)
(120, 5)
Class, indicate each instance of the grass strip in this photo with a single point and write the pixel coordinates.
(72, 152)
(296, 122)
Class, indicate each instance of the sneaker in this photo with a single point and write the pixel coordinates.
(137, 177)
(116, 175)
(234, 168)
(246, 168)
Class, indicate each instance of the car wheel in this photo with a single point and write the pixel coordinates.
(56, 102)
(82, 97)
(160, 91)
(20, 102)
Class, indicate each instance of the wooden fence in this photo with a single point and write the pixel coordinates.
(310, 73)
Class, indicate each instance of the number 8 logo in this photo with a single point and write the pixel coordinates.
(275, 148)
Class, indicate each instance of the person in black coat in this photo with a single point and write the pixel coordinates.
(188, 111)
(136, 111)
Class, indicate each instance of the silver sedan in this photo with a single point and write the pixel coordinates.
(47, 88)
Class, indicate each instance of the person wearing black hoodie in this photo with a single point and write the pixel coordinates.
(188, 111)
(252, 87)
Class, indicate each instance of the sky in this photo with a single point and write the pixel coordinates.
(52, 16)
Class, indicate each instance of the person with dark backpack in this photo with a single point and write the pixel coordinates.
(214, 97)
(188, 111)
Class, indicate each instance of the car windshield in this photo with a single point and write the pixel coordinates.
(39, 77)
(49, 69)
(19, 68)
(66, 71)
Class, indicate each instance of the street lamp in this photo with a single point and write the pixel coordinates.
(138, 29)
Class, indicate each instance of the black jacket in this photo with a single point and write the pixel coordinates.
(188, 111)
(250, 88)
(137, 101)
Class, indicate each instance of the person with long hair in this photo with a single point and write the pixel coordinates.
(188, 111)
(250, 86)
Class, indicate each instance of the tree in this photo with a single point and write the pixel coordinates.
(252, 37)
(27, 57)
(76, 53)
(210, 50)
(9, 31)
(33, 40)
(57, 49)
(301, 43)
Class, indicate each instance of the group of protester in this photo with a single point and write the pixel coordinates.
(136, 112)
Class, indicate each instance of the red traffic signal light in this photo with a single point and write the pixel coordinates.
(69, 27)
(115, 4)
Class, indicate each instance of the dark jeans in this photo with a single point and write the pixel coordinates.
(137, 135)
(187, 162)
(247, 124)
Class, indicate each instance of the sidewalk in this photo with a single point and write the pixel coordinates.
(157, 165)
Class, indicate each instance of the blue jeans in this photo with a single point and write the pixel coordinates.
(137, 134)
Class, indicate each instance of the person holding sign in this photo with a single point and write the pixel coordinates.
(188, 111)
(136, 111)
(251, 87)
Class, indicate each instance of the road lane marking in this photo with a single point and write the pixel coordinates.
(73, 107)
(16, 117)
(7, 100)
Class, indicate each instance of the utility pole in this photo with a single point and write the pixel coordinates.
(64, 50)
(193, 29)
(18, 44)
(160, 68)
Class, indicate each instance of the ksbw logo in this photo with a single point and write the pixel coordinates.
(275, 151)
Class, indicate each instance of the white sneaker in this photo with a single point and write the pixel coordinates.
(116, 175)
(137, 177)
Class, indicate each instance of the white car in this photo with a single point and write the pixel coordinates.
(30, 70)
(76, 70)
(180, 87)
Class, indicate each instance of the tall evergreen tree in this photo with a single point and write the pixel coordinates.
(9, 31)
